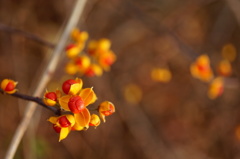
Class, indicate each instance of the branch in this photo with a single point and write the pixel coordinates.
(28, 35)
(45, 77)
(234, 6)
(34, 99)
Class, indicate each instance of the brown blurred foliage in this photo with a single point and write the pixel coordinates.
(173, 120)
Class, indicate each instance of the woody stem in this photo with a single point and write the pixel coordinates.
(34, 99)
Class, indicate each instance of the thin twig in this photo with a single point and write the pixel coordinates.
(28, 35)
(45, 78)
(34, 99)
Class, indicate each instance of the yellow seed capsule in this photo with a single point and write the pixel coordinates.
(82, 37)
(106, 59)
(225, 68)
(201, 68)
(77, 127)
(92, 46)
(83, 118)
(161, 75)
(79, 36)
(229, 52)
(71, 68)
(133, 93)
(74, 33)
(88, 96)
(104, 44)
(72, 50)
(216, 88)
(82, 63)
(106, 108)
(95, 120)
(71, 119)
(93, 70)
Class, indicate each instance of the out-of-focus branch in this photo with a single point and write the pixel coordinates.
(45, 77)
(234, 6)
(28, 35)
(34, 99)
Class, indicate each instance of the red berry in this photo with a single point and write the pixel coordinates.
(108, 61)
(202, 67)
(76, 104)
(90, 124)
(90, 72)
(56, 128)
(51, 95)
(67, 85)
(70, 46)
(63, 121)
(79, 62)
(10, 86)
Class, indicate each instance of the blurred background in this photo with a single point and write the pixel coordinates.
(171, 119)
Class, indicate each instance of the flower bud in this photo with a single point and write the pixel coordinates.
(50, 98)
(72, 87)
(95, 120)
(9, 86)
(76, 104)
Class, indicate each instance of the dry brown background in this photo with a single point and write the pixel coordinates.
(175, 120)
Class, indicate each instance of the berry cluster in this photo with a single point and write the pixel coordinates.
(202, 70)
(91, 62)
(74, 101)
